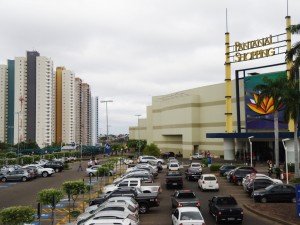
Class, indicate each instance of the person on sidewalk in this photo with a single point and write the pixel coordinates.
(191, 158)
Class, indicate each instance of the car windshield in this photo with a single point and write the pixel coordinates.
(269, 187)
(187, 195)
(209, 178)
(195, 164)
(226, 201)
(190, 216)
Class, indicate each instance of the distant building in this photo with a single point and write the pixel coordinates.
(94, 120)
(86, 114)
(3, 102)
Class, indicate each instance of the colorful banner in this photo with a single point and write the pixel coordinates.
(261, 117)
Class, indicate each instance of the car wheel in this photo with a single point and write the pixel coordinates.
(293, 200)
(91, 174)
(44, 174)
(3, 179)
(263, 200)
(56, 170)
(143, 208)
(24, 179)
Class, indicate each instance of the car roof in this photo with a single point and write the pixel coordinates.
(208, 175)
(189, 209)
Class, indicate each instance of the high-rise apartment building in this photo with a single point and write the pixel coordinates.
(78, 110)
(10, 101)
(94, 120)
(31, 95)
(44, 76)
(86, 114)
(3, 102)
(65, 108)
(20, 99)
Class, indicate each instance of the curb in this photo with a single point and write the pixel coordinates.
(267, 216)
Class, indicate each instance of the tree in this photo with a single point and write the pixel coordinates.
(17, 215)
(74, 189)
(50, 197)
(152, 149)
(293, 55)
(272, 90)
(291, 99)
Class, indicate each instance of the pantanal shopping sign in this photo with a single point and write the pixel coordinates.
(245, 51)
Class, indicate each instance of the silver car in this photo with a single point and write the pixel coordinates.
(113, 217)
(17, 175)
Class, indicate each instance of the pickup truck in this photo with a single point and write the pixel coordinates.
(182, 198)
(145, 200)
(174, 179)
(225, 208)
(134, 182)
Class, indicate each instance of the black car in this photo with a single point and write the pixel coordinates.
(56, 165)
(225, 168)
(192, 173)
(238, 175)
(258, 183)
(275, 193)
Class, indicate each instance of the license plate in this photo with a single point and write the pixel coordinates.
(231, 219)
(174, 183)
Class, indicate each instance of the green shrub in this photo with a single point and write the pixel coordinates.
(11, 155)
(66, 166)
(295, 180)
(214, 167)
(204, 161)
(291, 167)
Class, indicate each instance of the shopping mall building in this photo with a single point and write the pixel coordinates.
(222, 118)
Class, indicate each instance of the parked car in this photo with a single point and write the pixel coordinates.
(238, 174)
(108, 206)
(225, 208)
(249, 177)
(174, 166)
(41, 171)
(196, 165)
(174, 179)
(147, 158)
(16, 175)
(275, 193)
(187, 216)
(166, 155)
(112, 217)
(92, 171)
(192, 173)
(197, 156)
(225, 168)
(257, 183)
(183, 198)
(208, 182)
(56, 165)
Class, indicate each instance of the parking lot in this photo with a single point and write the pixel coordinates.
(24, 193)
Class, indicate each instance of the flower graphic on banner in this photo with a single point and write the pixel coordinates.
(265, 107)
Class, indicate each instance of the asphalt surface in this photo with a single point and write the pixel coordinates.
(25, 193)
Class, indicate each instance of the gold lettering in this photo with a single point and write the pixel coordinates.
(241, 46)
(246, 56)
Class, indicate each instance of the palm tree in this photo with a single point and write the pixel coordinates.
(292, 94)
(291, 99)
(294, 54)
(272, 88)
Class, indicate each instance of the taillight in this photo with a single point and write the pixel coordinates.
(179, 205)
(219, 212)
(156, 200)
(198, 204)
(233, 177)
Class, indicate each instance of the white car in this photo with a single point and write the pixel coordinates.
(187, 216)
(196, 165)
(208, 182)
(148, 158)
(44, 172)
(174, 166)
(113, 217)
(249, 177)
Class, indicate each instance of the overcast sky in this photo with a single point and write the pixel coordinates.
(131, 50)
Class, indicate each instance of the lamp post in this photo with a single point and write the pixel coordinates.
(250, 142)
(286, 164)
(106, 101)
(138, 116)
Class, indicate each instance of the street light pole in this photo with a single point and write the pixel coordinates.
(250, 142)
(138, 116)
(106, 101)
(286, 164)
